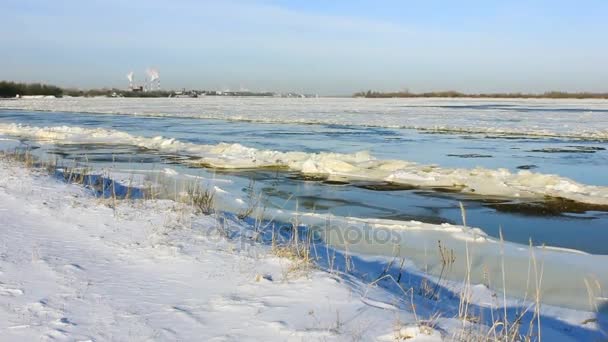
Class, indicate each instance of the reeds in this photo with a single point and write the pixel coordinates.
(502, 329)
(299, 246)
(201, 199)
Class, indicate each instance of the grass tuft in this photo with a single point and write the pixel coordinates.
(202, 199)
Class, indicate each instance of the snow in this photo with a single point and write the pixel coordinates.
(417, 243)
(73, 268)
(37, 97)
(415, 238)
(355, 166)
(585, 119)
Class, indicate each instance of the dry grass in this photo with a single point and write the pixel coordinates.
(253, 201)
(202, 199)
(297, 252)
(23, 156)
(501, 328)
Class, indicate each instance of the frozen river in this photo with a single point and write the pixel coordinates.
(535, 168)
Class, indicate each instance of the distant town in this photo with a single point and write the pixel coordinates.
(9, 89)
(149, 86)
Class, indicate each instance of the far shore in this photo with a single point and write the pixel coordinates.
(458, 95)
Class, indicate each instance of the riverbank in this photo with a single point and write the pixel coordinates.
(76, 267)
(73, 268)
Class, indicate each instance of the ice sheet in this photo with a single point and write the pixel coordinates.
(584, 119)
(356, 166)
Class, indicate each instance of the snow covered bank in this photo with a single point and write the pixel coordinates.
(335, 166)
(582, 119)
(73, 269)
(477, 256)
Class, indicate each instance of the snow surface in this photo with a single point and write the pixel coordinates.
(585, 119)
(356, 166)
(72, 268)
(416, 239)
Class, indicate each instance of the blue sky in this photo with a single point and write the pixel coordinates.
(327, 47)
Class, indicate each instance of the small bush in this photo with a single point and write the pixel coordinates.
(203, 200)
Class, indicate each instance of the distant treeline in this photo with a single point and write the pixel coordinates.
(115, 92)
(455, 94)
(12, 89)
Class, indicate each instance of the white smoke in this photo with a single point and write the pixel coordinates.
(153, 74)
(130, 77)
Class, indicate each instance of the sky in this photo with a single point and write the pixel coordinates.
(329, 47)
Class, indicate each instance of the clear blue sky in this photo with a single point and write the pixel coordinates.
(326, 47)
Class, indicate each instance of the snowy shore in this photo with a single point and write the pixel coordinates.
(74, 268)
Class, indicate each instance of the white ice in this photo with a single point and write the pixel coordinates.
(356, 166)
(536, 117)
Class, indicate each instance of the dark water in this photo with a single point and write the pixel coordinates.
(554, 222)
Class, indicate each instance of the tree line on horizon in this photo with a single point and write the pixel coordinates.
(9, 89)
(12, 89)
(456, 94)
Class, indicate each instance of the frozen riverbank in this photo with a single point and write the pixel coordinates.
(334, 166)
(73, 268)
